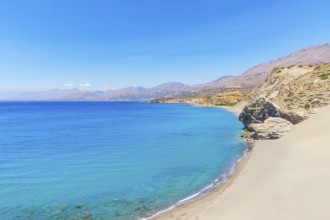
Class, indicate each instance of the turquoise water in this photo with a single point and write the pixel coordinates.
(109, 160)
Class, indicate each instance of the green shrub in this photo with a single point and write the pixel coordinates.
(290, 93)
(324, 76)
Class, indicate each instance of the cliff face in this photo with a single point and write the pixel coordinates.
(290, 93)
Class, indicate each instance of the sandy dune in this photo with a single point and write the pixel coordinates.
(285, 179)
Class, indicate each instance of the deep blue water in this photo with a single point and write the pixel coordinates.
(109, 160)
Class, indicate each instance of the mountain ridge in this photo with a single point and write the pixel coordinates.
(314, 54)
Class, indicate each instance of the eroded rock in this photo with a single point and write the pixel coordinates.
(266, 120)
(271, 128)
(259, 111)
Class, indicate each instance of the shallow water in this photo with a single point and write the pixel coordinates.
(109, 160)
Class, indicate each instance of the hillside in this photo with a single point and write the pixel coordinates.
(227, 97)
(316, 54)
(288, 96)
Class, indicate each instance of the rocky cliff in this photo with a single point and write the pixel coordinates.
(288, 96)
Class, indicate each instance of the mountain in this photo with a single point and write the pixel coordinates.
(129, 93)
(316, 54)
(140, 93)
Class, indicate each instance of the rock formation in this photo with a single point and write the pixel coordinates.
(288, 96)
(271, 128)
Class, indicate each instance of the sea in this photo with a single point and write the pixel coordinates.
(111, 160)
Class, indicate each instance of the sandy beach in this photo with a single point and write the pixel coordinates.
(288, 178)
(236, 109)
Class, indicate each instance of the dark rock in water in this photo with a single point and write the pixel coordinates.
(187, 134)
(79, 206)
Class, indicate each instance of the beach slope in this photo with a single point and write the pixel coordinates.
(288, 178)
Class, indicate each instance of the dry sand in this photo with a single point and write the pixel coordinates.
(236, 109)
(285, 179)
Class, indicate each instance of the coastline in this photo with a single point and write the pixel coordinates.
(236, 109)
(280, 179)
(194, 199)
(217, 186)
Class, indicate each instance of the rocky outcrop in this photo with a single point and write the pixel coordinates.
(288, 96)
(266, 120)
(271, 128)
(296, 89)
(258, 112)
(261, 109)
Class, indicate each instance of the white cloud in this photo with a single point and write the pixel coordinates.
(85, 85)
(69, 84)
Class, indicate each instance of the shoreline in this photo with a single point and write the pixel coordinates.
(236, 109)
(217, 185)
(285, 178)
(219, 188)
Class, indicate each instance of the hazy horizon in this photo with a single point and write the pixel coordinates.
(110, 45)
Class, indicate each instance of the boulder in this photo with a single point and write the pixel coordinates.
(271, 128)
(259, 111)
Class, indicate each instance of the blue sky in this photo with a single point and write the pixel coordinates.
(109, 44)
